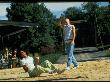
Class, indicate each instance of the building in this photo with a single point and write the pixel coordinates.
(10, 28)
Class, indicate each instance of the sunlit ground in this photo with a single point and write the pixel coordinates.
(89, 70)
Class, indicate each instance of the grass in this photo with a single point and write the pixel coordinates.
(53, 57)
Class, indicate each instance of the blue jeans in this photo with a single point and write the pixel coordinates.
(71, 59)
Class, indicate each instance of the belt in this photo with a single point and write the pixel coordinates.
(68, 39)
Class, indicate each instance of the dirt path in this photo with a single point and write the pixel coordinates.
(96, 70)
(89, 70)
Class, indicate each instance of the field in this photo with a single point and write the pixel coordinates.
(98, 70)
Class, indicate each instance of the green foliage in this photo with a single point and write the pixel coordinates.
(103, 19)
(48, 32)
(108, 54)
(51, 57)
(73, 13)
(90, 10)
(43, 33)
(90, 7)
(19, 11)
(98, 17)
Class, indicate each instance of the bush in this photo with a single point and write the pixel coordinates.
(108, 53)
(47, 50)
(51, 57)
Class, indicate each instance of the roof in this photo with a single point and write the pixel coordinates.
(19, 24)
(8, 28)
(78, 21)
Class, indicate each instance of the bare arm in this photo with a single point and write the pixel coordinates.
(37, 60)
(74, 34)
(25, 68)
(60, 24)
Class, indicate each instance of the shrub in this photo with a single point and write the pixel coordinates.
(108, 54)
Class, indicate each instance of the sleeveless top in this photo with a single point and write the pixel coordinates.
(68, 32)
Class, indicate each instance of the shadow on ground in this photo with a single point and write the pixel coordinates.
(64, 78)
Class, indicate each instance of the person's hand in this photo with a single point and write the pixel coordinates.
(37, 60)
(68, 42)
(25, 68)
(72, 42)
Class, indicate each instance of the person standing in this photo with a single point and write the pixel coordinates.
(69, 40)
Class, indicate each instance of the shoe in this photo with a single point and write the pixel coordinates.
(53, 71)
(76, 67)
(67, 68)
(50, 72)
(60, 71)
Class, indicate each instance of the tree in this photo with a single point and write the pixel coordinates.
(43, 34)
(73, 13)
(98, 17)
(103, 26)
(19, 11)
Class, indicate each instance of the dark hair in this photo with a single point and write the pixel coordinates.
(13, 51)
(25, 50)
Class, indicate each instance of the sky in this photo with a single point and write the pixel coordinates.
(3, 12)
(58, 6)
(55, 7)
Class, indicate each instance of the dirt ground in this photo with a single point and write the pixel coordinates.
(98, 70)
